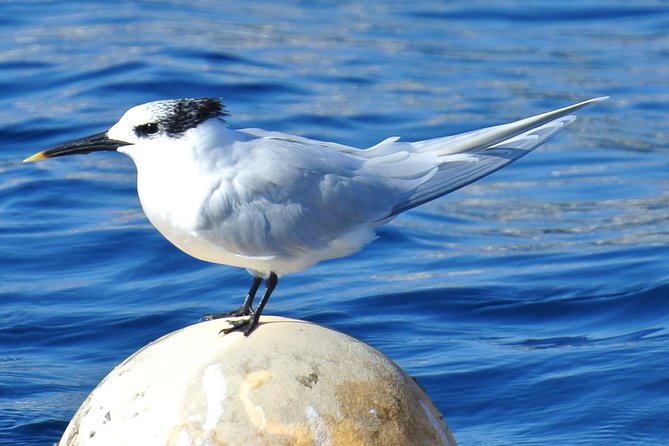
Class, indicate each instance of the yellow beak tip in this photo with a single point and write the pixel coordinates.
(35, 157)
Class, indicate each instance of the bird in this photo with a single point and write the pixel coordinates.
(275, 203)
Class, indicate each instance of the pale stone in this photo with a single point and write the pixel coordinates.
(289, 383)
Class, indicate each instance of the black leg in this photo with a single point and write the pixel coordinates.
(247, 306)
(270, 284)
(245, 310)
(249, 324)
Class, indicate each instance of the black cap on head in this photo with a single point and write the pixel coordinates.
(175, 116)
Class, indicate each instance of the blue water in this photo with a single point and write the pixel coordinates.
(533, 306)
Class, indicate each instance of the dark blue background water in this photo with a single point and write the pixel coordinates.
(533, 306)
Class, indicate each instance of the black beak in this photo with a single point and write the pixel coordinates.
(93, 143)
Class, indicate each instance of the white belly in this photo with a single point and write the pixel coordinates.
(208, 215)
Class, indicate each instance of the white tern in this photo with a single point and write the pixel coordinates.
(276, 203)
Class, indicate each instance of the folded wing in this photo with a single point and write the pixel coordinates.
(443, 165)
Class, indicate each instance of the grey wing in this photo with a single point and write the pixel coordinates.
(425, 170)
(460, 169)
(396, 176)
(280, 136)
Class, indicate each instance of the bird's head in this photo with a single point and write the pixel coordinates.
(167, 119)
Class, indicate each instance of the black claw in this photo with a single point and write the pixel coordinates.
(246, 326)
(242, 311)
(236, 325)
(246, 310)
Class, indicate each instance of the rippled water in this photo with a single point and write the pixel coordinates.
(533, 306)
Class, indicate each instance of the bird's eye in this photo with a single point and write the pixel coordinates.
(147, 129)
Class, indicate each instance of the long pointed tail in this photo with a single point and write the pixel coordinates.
(470, 156)
(490, 136)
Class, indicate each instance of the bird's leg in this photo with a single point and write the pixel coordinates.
(270, 284)
(246, 308)
(249, 324)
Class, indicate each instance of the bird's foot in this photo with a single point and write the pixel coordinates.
(249, 316)
(246, 325)
(241, 311)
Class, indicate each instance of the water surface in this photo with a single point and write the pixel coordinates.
(531, 306)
